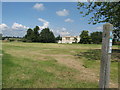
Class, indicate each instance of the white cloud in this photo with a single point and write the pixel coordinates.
(17, 26)
(64, 12)
(39, 6)
(69, 20)
(61, 31)
(45, 23)
(14, 30)
(99, 28)
(64, 32)
(11, 32)
(3, 27)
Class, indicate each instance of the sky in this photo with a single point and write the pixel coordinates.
(63, 18)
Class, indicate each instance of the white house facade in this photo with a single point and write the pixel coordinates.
(70, 39)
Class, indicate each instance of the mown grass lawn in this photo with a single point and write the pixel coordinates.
(47, 65)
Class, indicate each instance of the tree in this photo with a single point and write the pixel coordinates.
(29, 35)
(47, 36)
(75, 39)
(96, 37)
(32, 35)
(102, 12)
(58, 38)
(36, 34)
(116, 36)
(85, 38)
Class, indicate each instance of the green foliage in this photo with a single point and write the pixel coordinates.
(75, 40)
(11, 40)
(96, 37)
(47, 36)
(32, 35)
(103, 12)
(36, 34)
(116, 36)
(58, 38)
(29, 35)
(85, 38)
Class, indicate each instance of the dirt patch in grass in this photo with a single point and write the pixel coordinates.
(82, 72)
(95, 54)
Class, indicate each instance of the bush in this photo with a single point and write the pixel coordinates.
(11, 40)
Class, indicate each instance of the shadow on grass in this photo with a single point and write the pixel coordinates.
(6, 60)
(96, 55)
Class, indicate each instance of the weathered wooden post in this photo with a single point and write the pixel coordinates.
(106, 55)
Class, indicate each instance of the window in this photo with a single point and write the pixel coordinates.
(67, 38)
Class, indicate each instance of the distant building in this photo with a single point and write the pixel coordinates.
(70, 39)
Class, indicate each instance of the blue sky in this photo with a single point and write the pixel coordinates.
(61, 17)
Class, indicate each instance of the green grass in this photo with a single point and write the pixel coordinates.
(93, 57)
(39, 65)
(25, 73)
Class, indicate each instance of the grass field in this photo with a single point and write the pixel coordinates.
(38, 65)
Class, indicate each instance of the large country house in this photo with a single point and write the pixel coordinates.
(70, 39)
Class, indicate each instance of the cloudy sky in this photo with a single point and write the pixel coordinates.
(62, 18)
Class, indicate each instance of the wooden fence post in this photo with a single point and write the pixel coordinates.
(106, 55)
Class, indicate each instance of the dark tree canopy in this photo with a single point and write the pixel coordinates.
(58, 38)
(29, 35)
(32, 35)
(116, 35)
(36, 34)
(47, 36)
(85, 38)
(96, 37)
(102, 12)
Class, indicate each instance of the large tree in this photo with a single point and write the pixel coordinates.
(96, 37)
(29, 35)
(102, 12)
(36, 34)
(85, 38)
(32, 35)
(47, 36)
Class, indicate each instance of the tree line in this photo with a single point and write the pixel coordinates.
(92, 38)
(96, 37)
(45, 36)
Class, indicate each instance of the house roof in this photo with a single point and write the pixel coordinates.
(70, 36)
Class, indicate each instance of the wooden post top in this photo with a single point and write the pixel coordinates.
(108, 27)
(107, 24)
